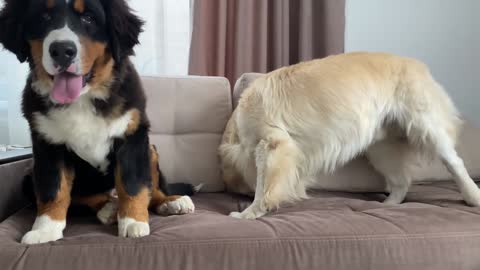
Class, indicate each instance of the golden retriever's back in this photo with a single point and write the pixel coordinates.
(342, 87)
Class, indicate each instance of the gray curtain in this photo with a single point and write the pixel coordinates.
(231, 37)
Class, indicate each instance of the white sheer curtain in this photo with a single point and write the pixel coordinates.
(165, 42)
(13, 128)
(164, 50)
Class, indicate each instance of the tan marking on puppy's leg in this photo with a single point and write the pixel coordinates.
(51, 216)
(166, 205)
(134, 123)
(79, 6)
(135, 207)
(132, 210)
(158, 197)
(103, 204)
(95, 202)
(57, 209)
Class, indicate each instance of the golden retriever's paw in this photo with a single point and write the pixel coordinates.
(246, 215)
(181, 206)
(235, 215)
(472, 197)
(128, 227)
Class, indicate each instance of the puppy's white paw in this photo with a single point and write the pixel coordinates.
(128, 227)
(138, 229)
(41, 236)
(44, 230)
(108, 214)
(182, 205)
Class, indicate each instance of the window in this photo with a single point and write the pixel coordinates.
(164, 50)
(165, 42)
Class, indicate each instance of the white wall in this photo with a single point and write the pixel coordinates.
(165, 42)
(13, 127)
(445, 34)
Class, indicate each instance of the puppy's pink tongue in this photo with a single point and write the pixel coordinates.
(66, 87)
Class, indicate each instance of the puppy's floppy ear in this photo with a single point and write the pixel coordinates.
(124, 28)
(11, 28)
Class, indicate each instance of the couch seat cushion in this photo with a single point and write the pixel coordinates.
(434, 229)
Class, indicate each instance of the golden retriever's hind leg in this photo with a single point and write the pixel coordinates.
(277, 176)
(234, 160)
(436, 133)
(445, 148)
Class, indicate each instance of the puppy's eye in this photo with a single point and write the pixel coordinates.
(87, 19)
(46, 17)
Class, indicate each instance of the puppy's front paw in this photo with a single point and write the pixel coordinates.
(138, 229)
(128, 227)
(181, 206)
(108, 214)
(41, 236)
(44, 230)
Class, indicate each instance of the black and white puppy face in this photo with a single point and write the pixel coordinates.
(71, 45)
(69, 31)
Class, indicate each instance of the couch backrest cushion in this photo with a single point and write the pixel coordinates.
(188, 116)
(241, 84)
(359, 175)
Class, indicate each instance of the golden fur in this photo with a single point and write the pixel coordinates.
(308, 119)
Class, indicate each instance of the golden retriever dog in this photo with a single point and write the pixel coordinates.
(308, 119)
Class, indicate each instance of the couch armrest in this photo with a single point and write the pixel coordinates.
(12, 171)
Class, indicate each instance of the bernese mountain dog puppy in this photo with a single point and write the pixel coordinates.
(85, 106)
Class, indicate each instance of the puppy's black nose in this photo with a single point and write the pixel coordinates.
(63, 53)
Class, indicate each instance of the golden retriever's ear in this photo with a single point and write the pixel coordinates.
(12, 18)
(124, 28)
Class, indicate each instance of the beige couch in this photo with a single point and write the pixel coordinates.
(434, 229)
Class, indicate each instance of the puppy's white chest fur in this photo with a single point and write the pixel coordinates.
(82, 130)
